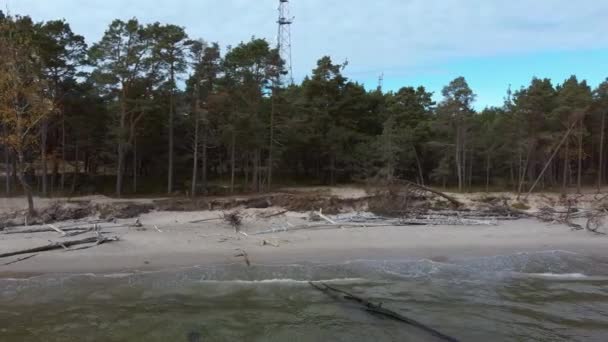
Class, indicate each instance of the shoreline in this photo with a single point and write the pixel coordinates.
(181, 246)
(164, 239)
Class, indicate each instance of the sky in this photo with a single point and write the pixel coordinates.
(492, 43)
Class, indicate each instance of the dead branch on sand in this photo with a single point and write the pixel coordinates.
(378, 309)
(41, 230)
(20, 259)
(269, 243)
(76, 230)
(596, 220)
(452, 200)
(242, 253)
(97, 240)
(282, 212)
(57, 229)
(206, 220)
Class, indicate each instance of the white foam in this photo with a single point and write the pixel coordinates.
(558, 275)
(284, 281)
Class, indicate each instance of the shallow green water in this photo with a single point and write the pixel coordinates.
(550, 296)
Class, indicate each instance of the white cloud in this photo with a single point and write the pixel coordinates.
(382, 35)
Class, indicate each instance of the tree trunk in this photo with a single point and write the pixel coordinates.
(134, 164)
(245, 168)
(524, 168)
(332, 170)
(121, 144)
(419, 165)
(255, 177)
(195, 148)
(470, 171)
(458, 158)
(271, 141)
(76, 169)
(15, 170)
(580, 158)
(555, 151)
(565, 171)
(232, 160)
(27, 189)
(44, 127)
(54, 175)
(512, 175)
(488, 172)
(463, 159)
(171, 115)
(600, 167)
(63, 170)
(204, 160)
(7, 167)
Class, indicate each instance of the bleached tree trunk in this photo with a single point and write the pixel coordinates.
(600, 168)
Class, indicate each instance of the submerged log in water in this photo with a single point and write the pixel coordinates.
(378, 309)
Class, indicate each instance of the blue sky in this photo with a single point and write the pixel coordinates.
(493, 43)
(491, 76)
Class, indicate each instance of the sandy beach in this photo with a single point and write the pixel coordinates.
(169, 239)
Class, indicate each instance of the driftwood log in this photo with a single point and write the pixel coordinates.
(378, 309)
(20, 259)
(452, 200)
(206, 220)
(49, 230)
(282, 212)
(97, 240)
(42, 230)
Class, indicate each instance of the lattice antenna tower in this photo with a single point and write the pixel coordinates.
(284, 39)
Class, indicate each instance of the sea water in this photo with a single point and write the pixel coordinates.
(544, 296)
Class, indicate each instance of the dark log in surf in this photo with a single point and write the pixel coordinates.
(378, 309)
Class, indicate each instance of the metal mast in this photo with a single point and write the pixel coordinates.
(284, 39)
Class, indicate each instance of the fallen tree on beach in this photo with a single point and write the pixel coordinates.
(95, 241)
